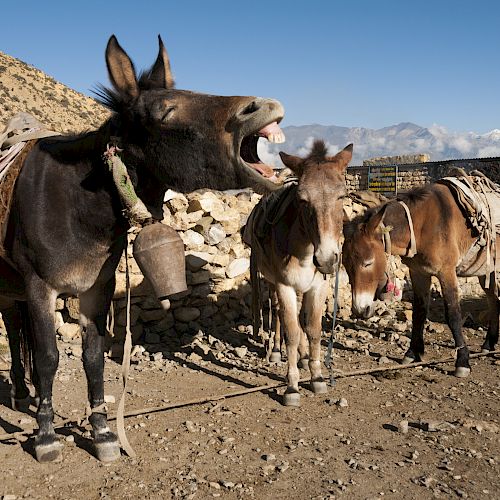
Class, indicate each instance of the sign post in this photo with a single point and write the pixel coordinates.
(383, 179)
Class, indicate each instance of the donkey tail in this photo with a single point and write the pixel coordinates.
(26, 341)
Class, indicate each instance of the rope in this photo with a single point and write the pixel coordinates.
(120, 415)
(71, 422)
(329, 351)
(134, 208)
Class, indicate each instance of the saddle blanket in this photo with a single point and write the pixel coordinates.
(479, 199)
(268, 212)
(16, 141)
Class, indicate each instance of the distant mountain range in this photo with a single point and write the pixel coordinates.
(25, 88)
(403, 138)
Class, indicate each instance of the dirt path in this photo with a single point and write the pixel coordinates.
(251, 446)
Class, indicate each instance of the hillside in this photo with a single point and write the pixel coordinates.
(25, 88)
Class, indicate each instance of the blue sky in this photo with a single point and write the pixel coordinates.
(350, 63)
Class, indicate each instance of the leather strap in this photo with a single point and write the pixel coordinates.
(412, 251)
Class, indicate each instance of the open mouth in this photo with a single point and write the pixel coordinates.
(248, 149)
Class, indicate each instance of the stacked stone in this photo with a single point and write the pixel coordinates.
(410, 177)
(217, 265)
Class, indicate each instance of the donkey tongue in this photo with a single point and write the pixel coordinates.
(262, 168)
(272, 133)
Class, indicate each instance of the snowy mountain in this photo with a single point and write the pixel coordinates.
(403, 138)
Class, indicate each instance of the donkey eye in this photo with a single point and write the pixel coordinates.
(368, 263)
(167, 113)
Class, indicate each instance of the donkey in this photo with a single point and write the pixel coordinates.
(442, 238)
(296, 252)
(67, 229)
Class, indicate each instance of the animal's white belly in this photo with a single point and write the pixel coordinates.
(300, 278)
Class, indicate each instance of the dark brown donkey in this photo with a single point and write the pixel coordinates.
(67, 230)
(442, 240)
(298, 249)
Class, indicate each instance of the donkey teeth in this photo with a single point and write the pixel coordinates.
(277, 138)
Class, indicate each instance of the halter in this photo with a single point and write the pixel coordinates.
(386, 239)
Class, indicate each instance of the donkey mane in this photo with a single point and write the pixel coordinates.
(109, 98)
(416, 195)
(318, 152)
(411, 198)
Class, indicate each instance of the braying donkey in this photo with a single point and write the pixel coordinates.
(67, 230)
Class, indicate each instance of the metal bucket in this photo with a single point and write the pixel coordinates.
(159, 253)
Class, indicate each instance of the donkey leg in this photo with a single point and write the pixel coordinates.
(288, 312)
(494, 313)
(94, 307)
(303, 351)
(276, 352)
(314, 301)
(450, 290)
(303, 362)
(421, 283)
(41, 302)
(20, 394)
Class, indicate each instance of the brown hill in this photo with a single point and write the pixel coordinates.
(25, 88)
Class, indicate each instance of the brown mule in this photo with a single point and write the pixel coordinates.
(297, 250)
(442, 239)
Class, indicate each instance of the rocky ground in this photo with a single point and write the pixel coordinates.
(418, 433)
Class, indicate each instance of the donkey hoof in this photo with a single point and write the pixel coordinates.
(51, 452)
(291, 399)
(407, 360)
(303, 363)
(319, 387)
(108, 451)
(275, 357)
(462, 372)
(106, 446)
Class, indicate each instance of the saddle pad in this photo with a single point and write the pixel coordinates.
(7, 184)
(268, 212)
(479, 200)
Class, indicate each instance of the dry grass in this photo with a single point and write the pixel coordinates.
(25, 88)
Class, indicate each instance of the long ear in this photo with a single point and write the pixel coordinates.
(121, 70)
(160, 74)
(294, 163)
(373, 224)
(345, 156)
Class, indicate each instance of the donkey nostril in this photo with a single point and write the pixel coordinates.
(251, 108)
(367, 312)
(315, 262)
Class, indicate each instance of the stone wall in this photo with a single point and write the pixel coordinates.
(418, 174)
(217, 269)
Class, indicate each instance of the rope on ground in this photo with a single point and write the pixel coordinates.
(72, 422)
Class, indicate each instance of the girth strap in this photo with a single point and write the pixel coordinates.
(413, 245)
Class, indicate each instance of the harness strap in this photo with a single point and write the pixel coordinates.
(411, 252)
(386, 238)
(120, 414)
(490, 243)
